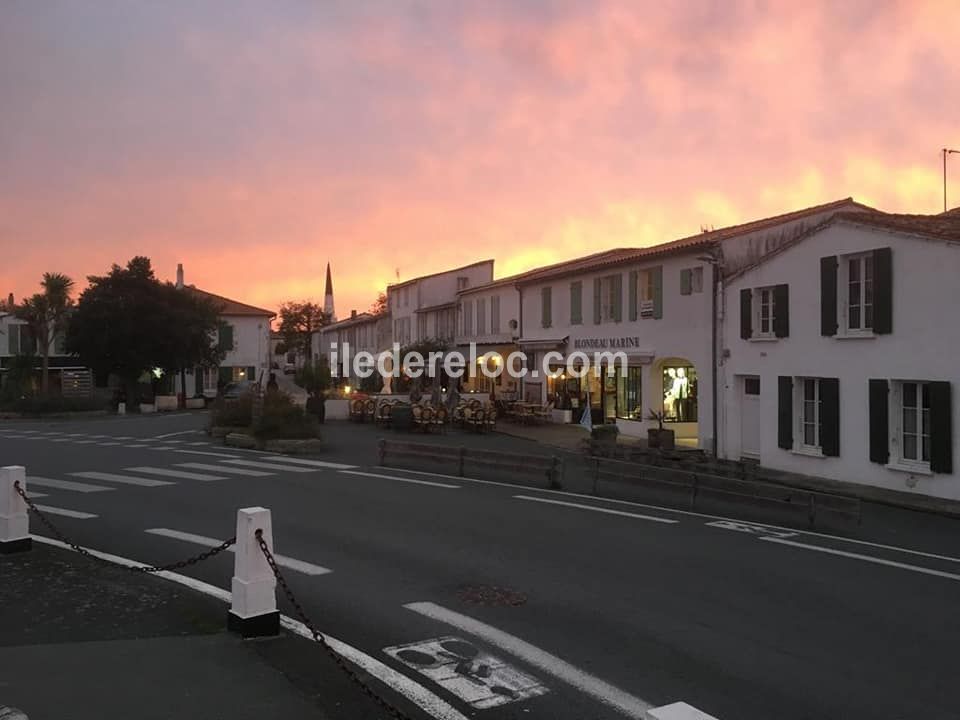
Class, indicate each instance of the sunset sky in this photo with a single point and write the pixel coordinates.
(255, 141)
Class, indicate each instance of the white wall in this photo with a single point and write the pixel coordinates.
(923, 346)
(509, 299)
(251, 342)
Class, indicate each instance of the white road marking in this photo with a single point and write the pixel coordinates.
(678, 711)
(691, 513)
(271, 466)
(124, 437)
(205, 452)
(312, 463)
(83, 442)
(476, 677)
(76, 434)
(287, 562)
(228, 470)
(197, 444)
(401, 479)
(135, 445)
(66, 513)
(174, 434)
(125, 479)
(62, 440)
(34, 495)
(594, 508)
(606, 693)
(865, 558)
(65, 485)
(751, 528)
(108, 444)
(166, 472)
(400, 683)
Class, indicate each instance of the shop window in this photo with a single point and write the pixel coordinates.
(629, 397)
(679, 393)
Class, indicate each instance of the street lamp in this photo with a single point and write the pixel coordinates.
(946, 151)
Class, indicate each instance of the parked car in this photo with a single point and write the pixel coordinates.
(232, 391)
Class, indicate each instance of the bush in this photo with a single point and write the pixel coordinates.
(43, 406)
(232, 413)
(284, 420)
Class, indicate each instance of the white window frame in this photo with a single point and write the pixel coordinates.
(696, 279)
(861, 260)
(898, 458)
(801, 419)
(763, 299)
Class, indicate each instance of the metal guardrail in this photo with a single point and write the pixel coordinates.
(464, 459)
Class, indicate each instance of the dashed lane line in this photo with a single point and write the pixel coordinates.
(430, 483)
(601, 690)
(594, 508)
(228, 470)
(271, 466)
(76, 514)
(65, 485)
(311, 463)
(206, 452)
(135, 445)
(287, 562)
(166, 472)
(123, 479)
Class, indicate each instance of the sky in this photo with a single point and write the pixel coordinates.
(256, 141)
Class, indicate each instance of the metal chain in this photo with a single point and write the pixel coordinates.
(179, 565)
(318, 636)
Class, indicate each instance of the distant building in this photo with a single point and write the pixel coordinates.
(328, 306)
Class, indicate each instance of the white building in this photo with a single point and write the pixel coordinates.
(840, 354)
(656, 305)
(362, 332)
(425, 307)
(67, 376)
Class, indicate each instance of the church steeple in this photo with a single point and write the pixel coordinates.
(328, 297)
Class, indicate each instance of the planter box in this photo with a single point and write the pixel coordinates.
(146, 408)
(165, 402)
(219, 431)
(337, 409)
(295, 447)
(561, 416)
(238, 440)
(196, 403)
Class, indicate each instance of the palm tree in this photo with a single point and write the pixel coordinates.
(46, 314)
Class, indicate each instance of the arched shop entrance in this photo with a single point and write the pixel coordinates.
(674, 385)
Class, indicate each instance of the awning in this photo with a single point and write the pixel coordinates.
(543, 343)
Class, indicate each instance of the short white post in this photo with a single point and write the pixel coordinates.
(678, 711)
(14, 520)
(253, 606)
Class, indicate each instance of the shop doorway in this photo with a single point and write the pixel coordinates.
(750, 417)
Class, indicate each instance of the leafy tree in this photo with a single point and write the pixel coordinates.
(45, 314)
(314, 377)
(127, 322)
(298, 322)
(379, 305)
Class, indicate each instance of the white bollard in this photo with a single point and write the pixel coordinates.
(14, 520)
(253, 606)
(678, 711)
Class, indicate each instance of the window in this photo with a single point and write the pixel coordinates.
(421, 326)
(629, 398)
(495, 314)
(463, 282)
(648, 292)
(225, 340)
(860, 292)
(763, 302)
(610, 291)
(915, 422)
(810, 407)
(468, 317)
(679, 393)
(546, 307)
(576, 303)
(751, 386)
(691, 280)
(481, 316)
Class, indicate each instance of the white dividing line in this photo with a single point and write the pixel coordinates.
(34, 495)
(65, 485)
(205, 452)
(594, 508)
(62, 440)
(271, 466)
(401, 479)
(108, 444)
(865, 558)
(124, 479)
(228, 470)
(66, 513)
(311, 463)
(174, 434)
(124, 437)
(287, 562)
(414, 692)
(135, 445)
(197, 444)
(606, 693)
(165, 472)
(83, 442)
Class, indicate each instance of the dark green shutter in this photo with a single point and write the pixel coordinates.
(226, 374)
(251, 374)
(941, 428)
(617, 290)
(546, 307)
(576, 303)
(597, 309)
(226, 337)
(882, 291)
(746, 314)
(828, 295)
(830, 416)
(632, 294)
(658, 292)
(781, 311)
(13, 339)
(686, 282)
(879, 421)
(785, 412)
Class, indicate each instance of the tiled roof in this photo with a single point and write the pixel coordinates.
(440, 272)
(955, 212)
(945, 226)
(692, 243)
(347, 322)
(231, 307)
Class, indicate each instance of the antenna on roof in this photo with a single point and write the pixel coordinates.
(706, 228)
(397, 273)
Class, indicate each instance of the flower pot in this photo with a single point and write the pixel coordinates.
(653, 437)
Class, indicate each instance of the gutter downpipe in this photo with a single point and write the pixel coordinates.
(714, 350)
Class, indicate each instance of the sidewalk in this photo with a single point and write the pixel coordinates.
(87, 641)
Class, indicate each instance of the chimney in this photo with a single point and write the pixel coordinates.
(179, 276)
(353, 313)
(10, 303)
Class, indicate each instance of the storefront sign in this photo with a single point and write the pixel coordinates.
(611, 343)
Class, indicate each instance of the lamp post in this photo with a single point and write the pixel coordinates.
(946, 151)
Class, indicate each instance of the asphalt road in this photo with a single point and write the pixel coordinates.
(603, 608)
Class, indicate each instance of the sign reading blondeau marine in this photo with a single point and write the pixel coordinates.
(607, 343)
